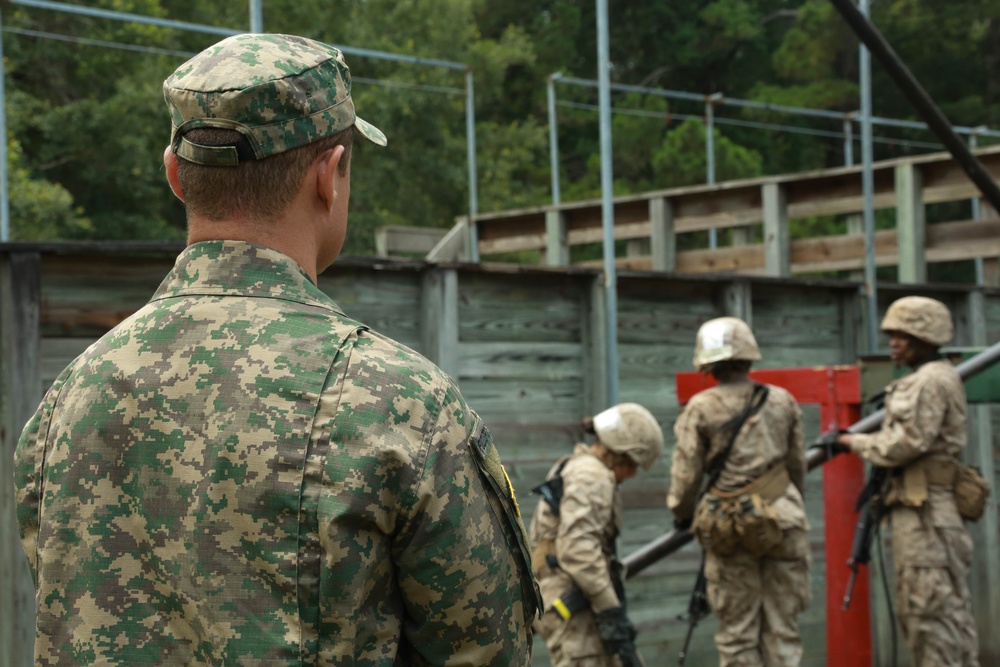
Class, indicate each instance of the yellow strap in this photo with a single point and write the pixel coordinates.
(561, 609)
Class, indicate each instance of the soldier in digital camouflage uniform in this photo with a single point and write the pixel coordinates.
(922, 436)
(239, 473)
(756, 588)
(574, 541)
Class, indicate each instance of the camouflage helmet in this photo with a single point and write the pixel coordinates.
(722, 339)
(632, 430)
(279, 91)
(921, 317)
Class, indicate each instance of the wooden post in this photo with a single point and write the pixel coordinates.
(855, 225)
(20, 392)
(736, 300)
(439, 326)
(595, 358)
(662, 239)
(991, 265)
(986, 539)
(637, 248)
(910, 224)
(556, 239)
(742, 235)
(777, 240)
(850, 326)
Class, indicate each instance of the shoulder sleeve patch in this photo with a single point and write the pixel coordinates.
(504, 505)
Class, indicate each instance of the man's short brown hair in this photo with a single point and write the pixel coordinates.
(257, 189)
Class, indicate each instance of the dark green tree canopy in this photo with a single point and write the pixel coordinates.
(87, 124)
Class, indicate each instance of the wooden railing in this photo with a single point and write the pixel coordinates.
(654, 219)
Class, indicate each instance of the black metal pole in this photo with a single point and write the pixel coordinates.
(643, 557)
(919, 98)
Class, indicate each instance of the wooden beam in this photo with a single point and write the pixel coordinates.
(556, 239)
(20, 393)
(736, 300)
(946, 242)
(439, 326)
(663, 240)
(777, 239)
(594, 339)
(910, 224)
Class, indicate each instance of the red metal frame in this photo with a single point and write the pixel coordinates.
(837, 390)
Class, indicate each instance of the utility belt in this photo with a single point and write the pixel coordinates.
(910, 486)
(725, 520)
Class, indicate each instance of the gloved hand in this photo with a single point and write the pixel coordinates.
(828, 441)
(618, 635)
(682, 524)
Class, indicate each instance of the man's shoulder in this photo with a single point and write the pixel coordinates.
(391, 371)
(374, 347)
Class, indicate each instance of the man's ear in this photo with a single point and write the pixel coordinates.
(170, 166)
(328, 176)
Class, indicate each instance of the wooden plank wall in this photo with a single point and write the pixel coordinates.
(525, 346)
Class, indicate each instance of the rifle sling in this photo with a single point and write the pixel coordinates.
(758, 396)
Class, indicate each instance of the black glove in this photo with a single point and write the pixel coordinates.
(682, 524)
(618, 635)
(828, 441)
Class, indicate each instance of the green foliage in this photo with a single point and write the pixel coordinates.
(88, 125)
(679, 162)
(40, 209)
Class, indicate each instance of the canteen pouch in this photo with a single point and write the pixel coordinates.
(971, 492)
(756, 525)
(713, 525)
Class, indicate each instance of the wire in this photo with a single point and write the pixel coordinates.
(908, 143)
(98, 42)
(411, 86)
(188, 54)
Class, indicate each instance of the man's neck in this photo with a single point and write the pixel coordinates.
(277, 236)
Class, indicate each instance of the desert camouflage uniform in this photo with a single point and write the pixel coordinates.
(756, 600)
(925, 414)
(239, 474)
(583, 535)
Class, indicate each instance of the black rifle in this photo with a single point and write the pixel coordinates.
(871, 505)
(697, 610)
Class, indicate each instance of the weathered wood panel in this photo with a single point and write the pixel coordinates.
(85, 296)
(542, 307)
(796, 326)
(387, 301)
(20, 387)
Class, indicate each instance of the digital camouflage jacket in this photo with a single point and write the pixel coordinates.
(239, 474)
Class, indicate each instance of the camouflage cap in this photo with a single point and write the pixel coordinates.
(279, 91)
